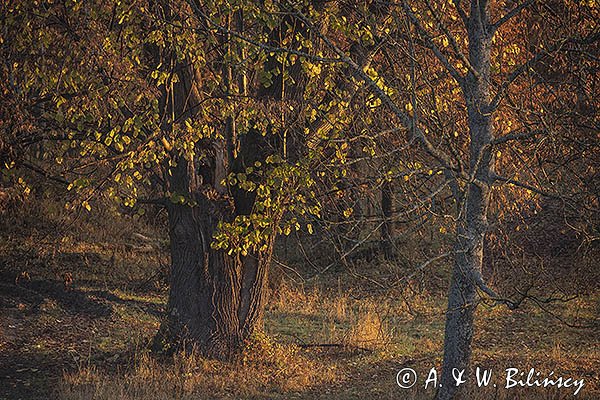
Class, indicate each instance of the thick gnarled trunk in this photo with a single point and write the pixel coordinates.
(216, 300)
(217, 297)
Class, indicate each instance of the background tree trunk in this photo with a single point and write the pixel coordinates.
(387, 229)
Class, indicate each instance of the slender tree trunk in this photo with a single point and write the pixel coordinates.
(472, 225)
(387, 229)
(462, 298)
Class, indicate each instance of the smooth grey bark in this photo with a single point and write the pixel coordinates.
(471, 227)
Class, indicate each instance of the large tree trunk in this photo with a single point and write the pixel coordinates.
(216, 300)
(472, 224)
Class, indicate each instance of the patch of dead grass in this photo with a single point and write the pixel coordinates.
(265, 367)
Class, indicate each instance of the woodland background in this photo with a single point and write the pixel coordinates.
(296, 199)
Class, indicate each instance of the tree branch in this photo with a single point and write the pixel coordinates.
(263, 46)
(405, 119)
(461, 12)
(44, 173)
(495, 177)
(512, 13)
(516, 136)
(429, 40)
(422, 266)
(452, 40)
(533, 60)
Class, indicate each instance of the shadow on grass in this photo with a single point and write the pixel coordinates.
(47, 330)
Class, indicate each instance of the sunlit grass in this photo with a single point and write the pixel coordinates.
(373, 338)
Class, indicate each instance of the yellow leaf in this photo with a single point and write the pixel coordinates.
(166, 143)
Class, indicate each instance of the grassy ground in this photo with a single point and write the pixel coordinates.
(76, 318)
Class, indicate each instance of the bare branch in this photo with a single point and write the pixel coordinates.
(516, 136)
(429, 41)
(511, 304)
(44, 173)
(452, 40)
(161, 201)
(541, 305)
(512, 13)
(461, 12)
(422, 266)
(291, 269)
(346, 254)
(592, 38)
(514, 182)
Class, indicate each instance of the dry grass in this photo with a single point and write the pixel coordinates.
(378, 335)
(369, 330)
(334, 338)
(320, 316)
(265, 368)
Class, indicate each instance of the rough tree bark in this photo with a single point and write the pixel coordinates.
(216, 299)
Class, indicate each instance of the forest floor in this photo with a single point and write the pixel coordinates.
(76, 320)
